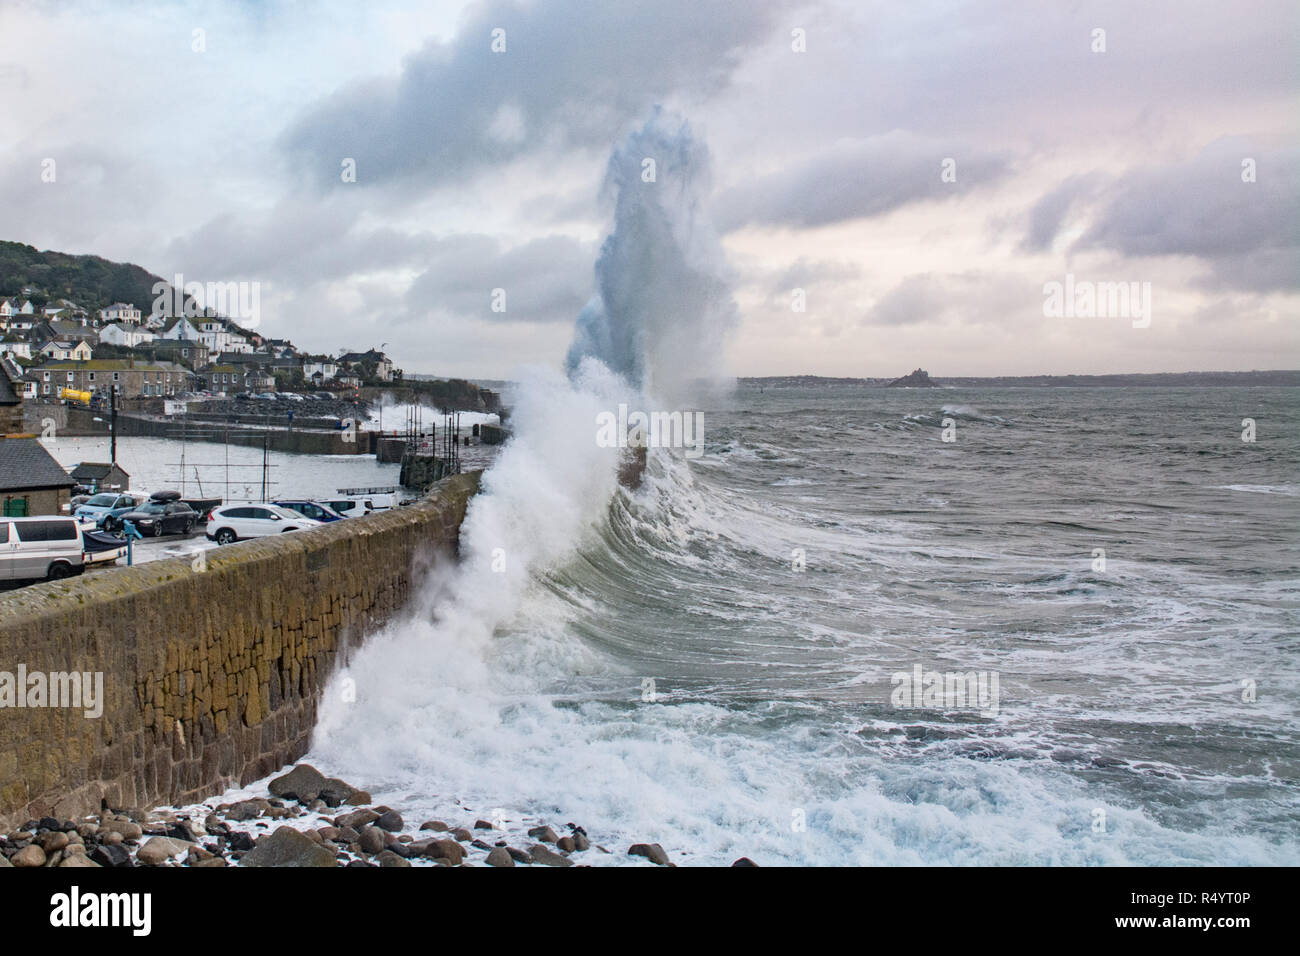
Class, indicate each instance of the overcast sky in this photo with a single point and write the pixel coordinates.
(478, 170)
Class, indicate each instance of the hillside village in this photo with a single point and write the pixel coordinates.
(63, 345)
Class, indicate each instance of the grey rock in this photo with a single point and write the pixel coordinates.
(29, 856)
(567, 844)
(389, 858)
(500, 857)
(461, 834)
(744, 861)
(651, 851)
(78, 860)
(303, 783)
(390, 820)
(356, 819)
(436, 825)
(111, 855)
(247, 810)
(519, 856)
(543, 834)
(448, 850)
(160, 849)
(372, 840)
(287, 847)
(128, 830)
(580, 841)
(548, 857)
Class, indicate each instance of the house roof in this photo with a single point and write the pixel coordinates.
(175, 319)
(96, 470)
(8, 394)
(26, 465)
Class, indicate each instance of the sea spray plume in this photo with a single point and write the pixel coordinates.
(662, 306)
(437, 668)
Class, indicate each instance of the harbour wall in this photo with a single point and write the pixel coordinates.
(212, 670)
(54, 420)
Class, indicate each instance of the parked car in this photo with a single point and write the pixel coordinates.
(156, 518)
(347, 507)
(316, 510)
(234, 522)
(100, 508)
(36, 548)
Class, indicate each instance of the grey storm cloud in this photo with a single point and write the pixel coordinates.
(918, 298)
(544, 280)
(573, 73)
(859, 179)
(1249, 232)
(971, 298)
(1049, 213)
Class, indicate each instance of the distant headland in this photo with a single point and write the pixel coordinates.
(922, 379)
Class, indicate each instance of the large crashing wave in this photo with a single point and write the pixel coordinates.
(424, 699)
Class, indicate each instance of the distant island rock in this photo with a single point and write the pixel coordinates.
(917, 379)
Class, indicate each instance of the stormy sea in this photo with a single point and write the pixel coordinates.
(853, 625)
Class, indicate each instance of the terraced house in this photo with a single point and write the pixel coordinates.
(130, 378)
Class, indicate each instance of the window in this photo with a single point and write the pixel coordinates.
(92, 376)
(115, 374)
(47, 376)
(69, 378)
(56, 529)
(4, 532)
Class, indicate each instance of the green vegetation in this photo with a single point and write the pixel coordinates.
(91, 282)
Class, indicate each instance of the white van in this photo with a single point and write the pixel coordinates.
(36, 548)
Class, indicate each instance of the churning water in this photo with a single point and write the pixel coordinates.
(1124, 732)
(709, 662)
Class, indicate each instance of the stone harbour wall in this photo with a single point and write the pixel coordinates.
(212, 671)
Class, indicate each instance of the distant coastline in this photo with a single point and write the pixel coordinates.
(1137, 379)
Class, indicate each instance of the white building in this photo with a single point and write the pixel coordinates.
(326, 369)
(121, 312)
(18, 347)
(128, 335)
(181, 329)
(219, 337)
(67, 351)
